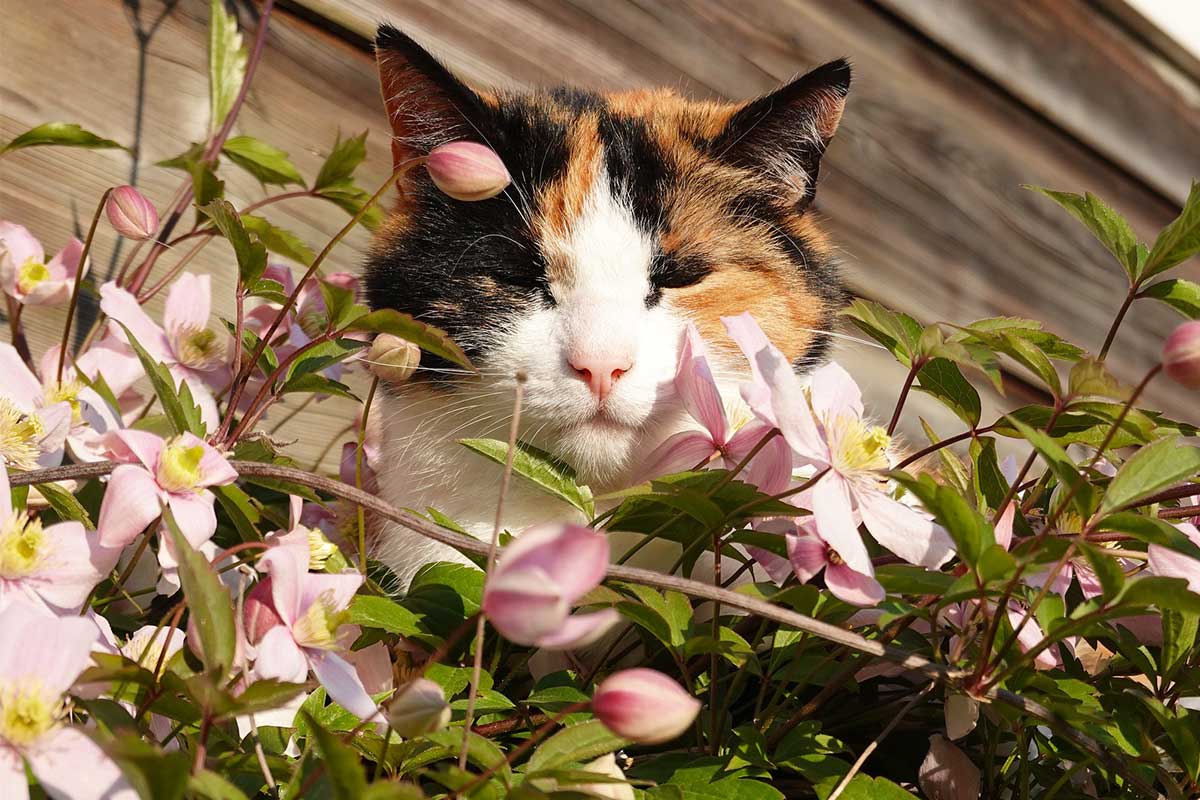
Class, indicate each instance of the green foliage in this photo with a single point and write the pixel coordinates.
(251, 255)
(61, 134)
(427, 337)
(1106, 225)
(207, 600)
(539, 468)
(266, 162)
(226, 63)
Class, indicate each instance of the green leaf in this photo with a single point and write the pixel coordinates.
(1183, 296)
(317, 384)
(1111, 576)
(1166, 594)
(1179, 637)
(341, 762)
(206, 188)
(266, 162)
(1150, 530)
(1061, 465)
(427, 337)
(539, 467)
(1150, 470)
(972, 534)
(1109, 227)
(251, 255)
(443, 595)
(945, 381)
(343, 159)
(322, 356)
(209, 604)
(898, 332)
(574, 744)
(211, 786)
(340, 308)
(263, 695)
(350, 198)
(226, 63)
(65, 504)
(369, 611)
(184, 417)
(909, 579)
(152, 772)
(481, 751)
(62, 134)
(279, 241)
(1091, 378)
(1179, 241)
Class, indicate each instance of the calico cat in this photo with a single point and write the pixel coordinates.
(629, 215)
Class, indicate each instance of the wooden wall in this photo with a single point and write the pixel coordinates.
(955, 105)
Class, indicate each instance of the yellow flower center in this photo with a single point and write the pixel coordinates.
(319, 625)
(26, 713)
(199, 348)
(19, 435)
(179, 466)
(30, 274)
(65, 392)
(22, 545)
(858, 447)
(320, 550)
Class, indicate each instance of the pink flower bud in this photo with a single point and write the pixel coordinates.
(947, 773)
(467, 171)
(644, 705)
(393, 359)
(258, 612)
(1181, 354)
(131, 214)
(419, 708)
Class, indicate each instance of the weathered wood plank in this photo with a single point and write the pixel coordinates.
(922, 186)
(1079, 70)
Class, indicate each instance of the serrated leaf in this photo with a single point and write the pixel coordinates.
(351, 198)
(898, 332)
(1150, 470)
(427, 337)
(316, 383)
(264, 161)
(342, 160)
(182, 419)
(369, 611)
(1106, 567)
(152, 772)
(226, 63)
(539, 467)
(62, 134)
(942, 379)
(323, 356)
(972, 534)
(209, 604)
(1091, 378)
(340, 306)
(251, 255)
(281, 242)
(1061, 465)
(1179, 241)
(1109, 227)
(1183, 296)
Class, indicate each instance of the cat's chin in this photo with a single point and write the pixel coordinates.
(600, 450)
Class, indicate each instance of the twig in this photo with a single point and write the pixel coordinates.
(874, 745)
(360, 515)
(83, 257)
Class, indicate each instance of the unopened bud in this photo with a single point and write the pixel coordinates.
(131, 214)
(393, 359)
(419, 708)
(1181, 354)
(644, 705)
(467, 171)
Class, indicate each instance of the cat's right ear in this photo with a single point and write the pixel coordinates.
(426, 104)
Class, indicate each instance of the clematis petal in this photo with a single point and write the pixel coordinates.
(524, 605)
(1004, 526)
(195, 516)
(373, 664)
(834, 393)
(6, 508)
(35, 643)
(807, 554)
(1030, 636)
(1168, 563)
(338, 588)
(112, 358)
(20, 385)
(13, 783)
(771, 468)
(853, 587)
(279, 657)
(70, 766)
(18, 245)
(698, 389)
(130, 504)
(56, 424)
(580, 630)
(189, 303)
(123, 307)
(343, 685)
(131, 446)
(835, 521)
(903, 530)
(288, 568)
(65, 263)
(573, 557)
(679, 452)
(77, 563)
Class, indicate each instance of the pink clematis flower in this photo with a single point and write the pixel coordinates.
(1168, 563)
(538, 577)
(87, 417)
(40, 658)
(771, 468)
(809, 554)
(55, 567)
(825, 427)
(155, 472)
(25, 275)
(194, 353)
(310, 610)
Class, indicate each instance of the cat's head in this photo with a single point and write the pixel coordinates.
(629, 215)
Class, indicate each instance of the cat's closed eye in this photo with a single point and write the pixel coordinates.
(678, 272)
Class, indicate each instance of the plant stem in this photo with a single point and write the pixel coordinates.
(874, 745)
(358, 476)
(493, 546)
(83, 257)
(908, 382)
(1112, 331)
(18, 333)
(933, 448)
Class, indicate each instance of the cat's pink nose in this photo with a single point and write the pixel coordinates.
(600, 373)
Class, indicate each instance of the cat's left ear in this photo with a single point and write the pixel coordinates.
(785, 133)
